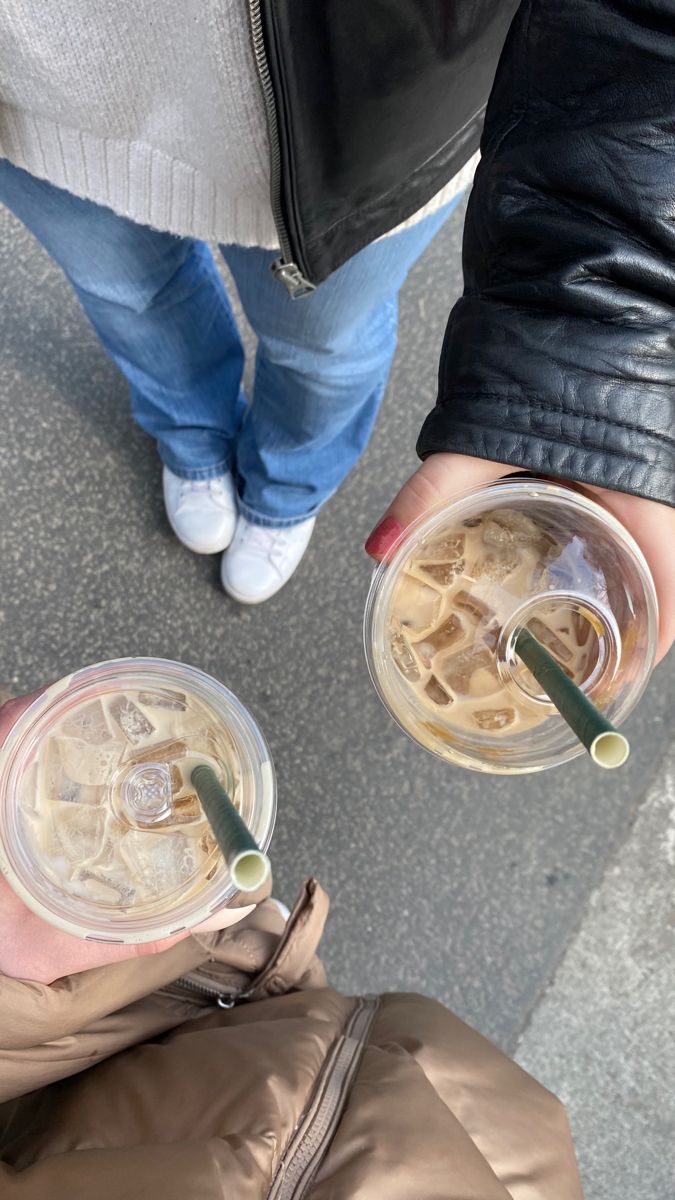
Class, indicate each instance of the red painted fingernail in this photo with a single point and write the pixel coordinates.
(383, 537)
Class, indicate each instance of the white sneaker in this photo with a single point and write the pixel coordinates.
(201, 512)
(261, 560)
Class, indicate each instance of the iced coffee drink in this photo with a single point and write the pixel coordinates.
(109, 809)
(103, 807)
(444, 613)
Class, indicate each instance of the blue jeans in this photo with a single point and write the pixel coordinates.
(160, 309)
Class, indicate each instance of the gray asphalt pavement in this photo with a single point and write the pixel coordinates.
(482, 892)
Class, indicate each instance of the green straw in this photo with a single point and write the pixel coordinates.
(249, 867)
(606, 746)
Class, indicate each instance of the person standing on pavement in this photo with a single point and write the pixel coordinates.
(340, 135)
(295, 136)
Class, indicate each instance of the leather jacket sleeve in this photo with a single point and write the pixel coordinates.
(560, 356)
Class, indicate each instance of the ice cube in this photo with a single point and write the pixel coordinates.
(442, 560)
(52, 781)
(177, 784)
(582, 627)
(91, 794)
(592, 654)
(583, 664)
(508, 527)
(159, 865)
(105, 887)
(471, 604)
(113, 831)
(88, 723)
(447, 635)
(134, 724)
(549, 639)
(163, 698)
(447, 549)
(167, 751)
(436, 692)
(88, 763)
(443, 573)
(404, 658)
(470, 672)
(79, 829)
(40, 835)
(188, 809)
(490, 636)
(494, 718)
(495, 565)
(185, 811)
(415, 605)
(207, 843)
(208, 847)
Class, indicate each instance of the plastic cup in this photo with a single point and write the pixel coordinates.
(101, 833)
(445, 609)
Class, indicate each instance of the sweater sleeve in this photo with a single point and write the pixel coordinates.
(560, 355)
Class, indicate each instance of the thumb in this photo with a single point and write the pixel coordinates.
(439, 478)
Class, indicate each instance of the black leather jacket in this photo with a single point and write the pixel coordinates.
(560, 356)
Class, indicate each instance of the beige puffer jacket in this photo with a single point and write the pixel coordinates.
(225, 1067)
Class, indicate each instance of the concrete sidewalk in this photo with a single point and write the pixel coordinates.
(476, 890)
(603, 1034)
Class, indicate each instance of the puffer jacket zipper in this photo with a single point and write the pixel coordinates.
(317, 1126)
(210, 992)
(285, 269)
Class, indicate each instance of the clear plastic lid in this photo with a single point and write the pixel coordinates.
(444, 611)
(102, 832)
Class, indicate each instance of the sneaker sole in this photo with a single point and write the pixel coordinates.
(215, 547)
(241, 599)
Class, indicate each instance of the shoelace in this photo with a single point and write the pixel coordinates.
(192, 487)
(269, 542)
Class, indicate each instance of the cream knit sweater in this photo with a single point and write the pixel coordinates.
(151, 107)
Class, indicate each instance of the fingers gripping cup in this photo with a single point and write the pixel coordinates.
(445, 611)
(101, 829)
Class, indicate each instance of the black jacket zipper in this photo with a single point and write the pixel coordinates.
(284, 268)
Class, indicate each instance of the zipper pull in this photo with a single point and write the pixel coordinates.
(224, 1001)
(292, 278)
(232, 999)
